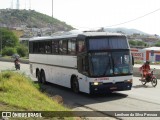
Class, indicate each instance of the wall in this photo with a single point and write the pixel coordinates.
(142, 55)
(138, 54)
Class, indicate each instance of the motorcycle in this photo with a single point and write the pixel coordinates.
(17, 65)
(150, 77)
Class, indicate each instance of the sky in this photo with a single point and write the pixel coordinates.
(143, 15)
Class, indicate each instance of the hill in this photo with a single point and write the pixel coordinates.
(125, 31)
(31, 23)
(23, 19)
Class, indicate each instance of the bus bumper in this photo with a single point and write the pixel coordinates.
(110, 87)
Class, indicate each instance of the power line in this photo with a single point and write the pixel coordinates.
(134, 18)
(125, 21)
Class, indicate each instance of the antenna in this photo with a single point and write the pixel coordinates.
(11, 4)
(17, 4)
(25, 4)
(52, 16)
(30, 4)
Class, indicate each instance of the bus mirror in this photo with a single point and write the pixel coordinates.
(132, 60)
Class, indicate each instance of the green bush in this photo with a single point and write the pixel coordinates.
(22, 50)
(9, 39)
(8, 51)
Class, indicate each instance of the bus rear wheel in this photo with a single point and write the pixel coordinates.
(43, 77)
(75, 85)
(39, 76)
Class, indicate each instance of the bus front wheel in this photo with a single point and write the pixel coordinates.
(75, 85)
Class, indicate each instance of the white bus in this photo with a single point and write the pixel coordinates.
(90, 62)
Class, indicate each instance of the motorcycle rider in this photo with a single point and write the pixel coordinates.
(145, 68)
(16, 62)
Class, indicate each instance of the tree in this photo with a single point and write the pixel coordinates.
(140, 43)
(22, 50)
(137, 43)
(8, 51)
(157, 44)
(7, 38)
(132, 43)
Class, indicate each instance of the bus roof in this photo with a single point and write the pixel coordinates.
(74, 35)
(101, 34)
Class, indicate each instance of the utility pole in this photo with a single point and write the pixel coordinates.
(52, 16)
(25, 4)
(29, 4)
(18, 4)
(12, 4)
(52, 8)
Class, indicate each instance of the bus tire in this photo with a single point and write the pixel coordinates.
(39, 76)
(75, 85)
(43, 77)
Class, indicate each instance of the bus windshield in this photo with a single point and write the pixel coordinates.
(103, 43)
(110, 63)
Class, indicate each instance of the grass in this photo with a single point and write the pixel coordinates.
(17, 92)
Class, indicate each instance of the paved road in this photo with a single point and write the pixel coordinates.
(10, 66)
(140, 98)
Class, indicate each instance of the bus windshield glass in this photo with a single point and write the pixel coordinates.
(110, 63)
(104, 43)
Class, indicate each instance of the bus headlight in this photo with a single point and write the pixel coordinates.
(96, 83)
(130, 80)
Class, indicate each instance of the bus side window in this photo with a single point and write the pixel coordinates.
(82, 65)
(71, 47)
(47, 47)
(41, 47)
(55, 47)
(85, 64)
(30, 47)
(79, 64)
(81, 46)
(63, 47)
(35, 47)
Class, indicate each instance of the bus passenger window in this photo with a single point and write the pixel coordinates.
(41, 50)
(41, 47)
(30, 47)
(55, 47)
(72, 47)
(47, 47)
(35, 47)
(63, 46)
(83, 65)
(81, 46)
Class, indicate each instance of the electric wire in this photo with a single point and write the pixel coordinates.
(125, 21)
